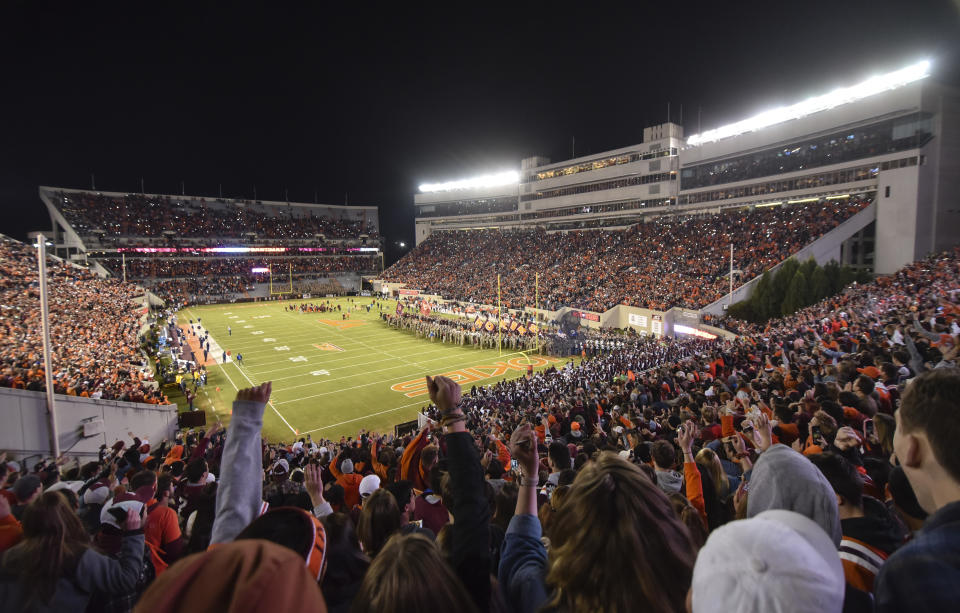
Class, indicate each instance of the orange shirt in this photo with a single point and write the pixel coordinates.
(160, 529)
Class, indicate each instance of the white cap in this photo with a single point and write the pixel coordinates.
(98, 493)
(776, 561)
(369, 485)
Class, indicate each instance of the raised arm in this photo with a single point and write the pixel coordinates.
(240, 497)
(471, 513)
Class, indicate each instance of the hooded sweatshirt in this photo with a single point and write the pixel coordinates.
(670, 481)
(785, 479)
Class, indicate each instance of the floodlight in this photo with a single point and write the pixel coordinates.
(837, 97)
(493, 180)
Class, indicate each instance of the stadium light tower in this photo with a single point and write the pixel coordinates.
(47, 362)
(823, 102)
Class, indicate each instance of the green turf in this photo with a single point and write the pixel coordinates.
(356, 390)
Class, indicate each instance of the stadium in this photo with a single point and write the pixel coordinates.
(718, 345)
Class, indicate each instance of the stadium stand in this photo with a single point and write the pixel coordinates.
(108, 218)
(95, 327)
(654, 439)
(667, 262)
(200, 279)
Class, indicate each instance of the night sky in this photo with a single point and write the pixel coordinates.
(366, 103)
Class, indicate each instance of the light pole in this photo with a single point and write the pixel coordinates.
(47, 362)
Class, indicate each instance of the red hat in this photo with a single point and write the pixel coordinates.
(871, 371)
(575, 425)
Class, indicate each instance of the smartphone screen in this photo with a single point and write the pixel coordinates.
(816, 435)
(868, 428)
(514, 464)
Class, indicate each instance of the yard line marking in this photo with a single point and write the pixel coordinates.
(374, 349)
(409, 341)
(292, 429)
(346, 389)
(367, 416)
(359, 374)
(258, 372)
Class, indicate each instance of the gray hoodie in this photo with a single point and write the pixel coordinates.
(670, 481)
(784, 479)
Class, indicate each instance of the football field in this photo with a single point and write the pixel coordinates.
(332, 376)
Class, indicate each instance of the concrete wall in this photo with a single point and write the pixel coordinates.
(25, 431)
(896, 218)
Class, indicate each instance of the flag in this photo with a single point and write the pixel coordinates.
(514, 324)
(521, 330)
(425, 308)
(534, 329)
(503, 325)
(490, 326)
(478, 322)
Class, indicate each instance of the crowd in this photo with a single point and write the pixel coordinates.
(671, 261)
(139, 215)
(194, 291)
(808, 465)
(462, 331)
(166, 267)
(855, 144)
(94, 331)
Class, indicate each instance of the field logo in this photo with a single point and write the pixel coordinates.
(328, 347)
(463, 376)
(342, 324)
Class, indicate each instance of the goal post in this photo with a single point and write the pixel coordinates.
(286, 288)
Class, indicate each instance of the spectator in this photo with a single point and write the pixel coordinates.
(54, 568)
(410, 576)
(776, 561)
(642, 559)
(379, 519)
(869, 533)
(925, 574)
(243, 576)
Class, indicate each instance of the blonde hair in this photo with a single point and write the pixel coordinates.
(617, 544)
(711, 463)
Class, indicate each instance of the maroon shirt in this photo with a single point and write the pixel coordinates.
(434, 516)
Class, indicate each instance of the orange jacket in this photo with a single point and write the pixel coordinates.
(10, 532)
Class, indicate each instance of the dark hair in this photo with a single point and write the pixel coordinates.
(335, 494)
(505, 502)
(89, 470)
(195, 470)
(287, 526)
(664, 454)
(144, 478)
(164, 482)
(346, 563)
(566, 476)
(379, 519)
(843, 477)
(495, 469)
(931, 404)
(559, 454)
(205, 506)
(903, 495)
(401, 490)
